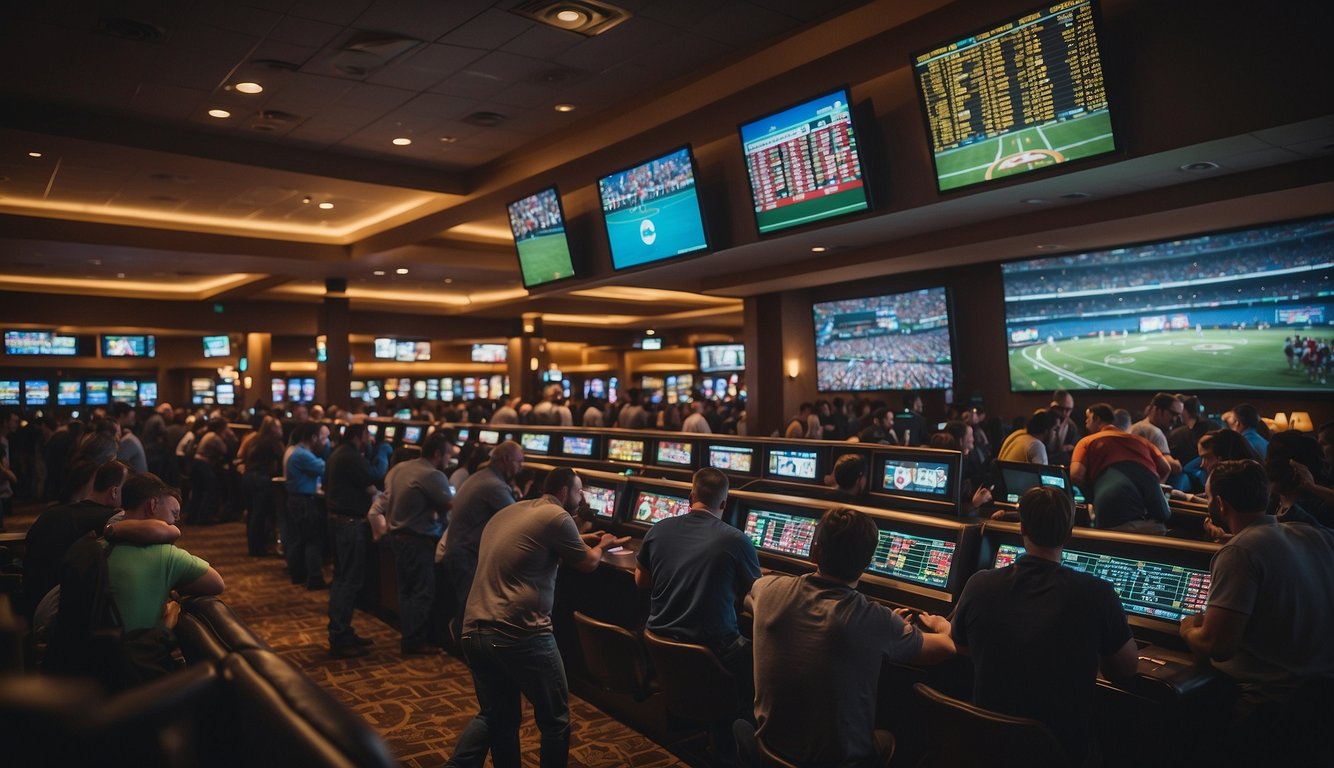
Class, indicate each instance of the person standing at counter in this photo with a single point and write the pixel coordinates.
(350, 483)
(419, 499)
(305, 520)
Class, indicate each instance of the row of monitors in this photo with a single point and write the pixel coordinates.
(1160, 581)
(44, 393)
(446, 389)
(23, 342)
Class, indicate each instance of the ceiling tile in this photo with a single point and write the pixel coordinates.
(489, 30)
(189, 69)
(307, 33)
(425, 67)
(541, 41)
(235, 17)
(375, 97)
(623, 42)
(740, 25)
(342, 12)
(210, 41)
(422, 19)
(433, 108)
(167, 101)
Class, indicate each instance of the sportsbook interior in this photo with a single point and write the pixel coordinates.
(409, 213)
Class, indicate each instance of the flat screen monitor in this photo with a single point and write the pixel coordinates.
(780, 532)
(721, 358)
(36, 392)
(419, 389)
(463, 433)
(386, 349)
(572, 445)
(226, 393)
(738, 459)
(676, 453)
(390, 432)
(651, 343)
(535, 443)
(9, 392)
(129, 346)
(1026, 93)
(595, 388)
(915, 478)
(202, 391)
(601, 500)
(294, 390)
(1241, 309)
(1016, 478)
(148, 393)
(804, 164)
(655, 506)
(538, 225)
(919, 559)
(278, 388)
(652, 210)
(404, 387)
(412, 434)
(1146, 588)
(403, 414)
(308, 390)
(488, 436)
(793, 464)
(217, 346)
(40, 343)
(621, 449)
(489, 353)
(433, 389)
(124, 391)
(412, 351)
(69, 392)
(373, 430)
(898, 341)
(97, 392)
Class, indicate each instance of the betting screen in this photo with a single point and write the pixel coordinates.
(731, 458)
(69, 392)
(36, 392)
(672, 452)
(1017, 480)
(918, 477)
(1023, 95)
(651, 507)
(625, 450)
(913, 558)
(535, 443)
(9, 392)
(98, 392)
(795, 464)
(601, 500)
(577, 446)
(780, 532)
(488, 436)
(412, 434)
(1156, 590)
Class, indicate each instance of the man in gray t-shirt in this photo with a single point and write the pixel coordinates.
(507, 636)
(479, 498)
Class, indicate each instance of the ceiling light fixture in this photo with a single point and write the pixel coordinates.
(586, 17)
(1203, 166)
(378, 273)
(34, 154)
(1034, 201)
(569, 16)
(326, 205)
(818, 249)
(219, 113)
(248, 87)
(402, 141)
(401, 271)
(650, 332)
(565, 107)
(448, 139)
(449, 281)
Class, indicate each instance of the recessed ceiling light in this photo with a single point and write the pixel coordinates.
(378, 273)
(219, 113)
(121, 275)
(449, 280)
(34, 154)
(818, 249)
(1075, 195)
(95, 262)
(1203, 166)
(401, 271)
(402, 141)
(650, 332)
(1050, 247)
(570, 16)
(1034, 201)
(448, 139)
(565, 107)
(326, 206)
(248, 87)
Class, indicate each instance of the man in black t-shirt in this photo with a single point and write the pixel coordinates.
(1038, 632)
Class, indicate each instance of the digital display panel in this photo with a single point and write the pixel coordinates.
(601, 500)
(294, 390)
(217, 346)
(412, 351)
(69, 392)
(780, 532)
(226, 393)
(674, 452)
(1017, 478)
(1024, 95)
(577, 446)
(36, 392)
(97, 392)
(917, 477)
(537, 443)
(9, 392)
(40, 343)
(913, 558)
(489, 353)
(129, 346)
(123, 391)
(412, 434)
(651, 343)
(721, 358)
(308, 390)
(390, 432)
(652, 211)
(799, 465)
(652, 507)
(1135, 317)
(488, 436)
(898, 341)
(386, 349)
(732, 458)
(462, 434)
(148, 393)
(373, 430)
(278, 388)
(538, 225)
(201, 391)
(619, 449)
(1155, 590)
(803, 163)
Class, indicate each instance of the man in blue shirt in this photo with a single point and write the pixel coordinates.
(305, 519)
(1246, 420)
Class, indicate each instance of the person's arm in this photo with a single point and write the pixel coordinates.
(593, 555)
(937, 644)
(1163, 466)
(208, 584)
(1078, 475)
(142, 532)
(1216, 634)
(642, 578)
(1122, 664)
(1308, 483)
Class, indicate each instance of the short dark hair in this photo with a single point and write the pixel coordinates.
(140, 488)
(1228, 445)
(120, 408)
(1041, 421)
(848, 468)
(847, 540)
(1103, 412)
(302, 433)
(561, 478)
(353, 431)
(110, 474)
(1242, 484)
(436, 443)
(1163, 401)
(1048, 515)
(1191, 404)
(710, 486)
(1247, 415)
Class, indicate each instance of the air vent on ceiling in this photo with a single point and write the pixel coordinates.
(485, 119)
(276, 64)
(271, 120)
(367, 52)
(132, 29)
(581, 16)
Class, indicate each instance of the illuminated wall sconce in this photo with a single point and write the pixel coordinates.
(248, 382)
(1280, 422)
(1301, 421)
(793, 368)
(532, 364)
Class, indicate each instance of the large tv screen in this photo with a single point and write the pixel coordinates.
(538, 225)
(217, 346)
(899, 341)
(803, 163)
(1024, 94)
(1243, 309)
(721, 358)
(40, 343)
(652, 210)
(129, 346)
(489, 353)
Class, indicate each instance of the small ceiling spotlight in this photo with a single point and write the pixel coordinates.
(219, 113)
(402, 141)
(248, 87)
(585, 17)
(565, 107)
(326, 205)
(401, 271)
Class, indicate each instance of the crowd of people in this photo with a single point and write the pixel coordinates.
(536, 215)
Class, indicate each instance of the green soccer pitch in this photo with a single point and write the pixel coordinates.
(545, 258)
(1173, 362)
(1026, 150)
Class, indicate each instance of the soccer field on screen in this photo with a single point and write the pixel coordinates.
(545, 258)
(673, 227)
(1177, 361)
(1026, 150)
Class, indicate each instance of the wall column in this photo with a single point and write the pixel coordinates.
(333, 380)
(257, 349)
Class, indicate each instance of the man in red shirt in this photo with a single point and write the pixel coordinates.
(1121, 473)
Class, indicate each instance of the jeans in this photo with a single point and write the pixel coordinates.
(259, 487)
(305, 523)
(348, 536)
(502, 669)
(414, 565)
(461, 567)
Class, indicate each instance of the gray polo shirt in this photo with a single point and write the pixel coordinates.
(417, 491)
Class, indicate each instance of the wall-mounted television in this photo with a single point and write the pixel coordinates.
(897, 341)
(577, 445)
(721, 358)
(804, 164)
(148, 393)
(278, 389)
(489, 353)
(402, 350)
(9, 392)
(217, 346)
(1239, 309)
(308, 390)
(1024, 94)
(651, 343)
(36, 392)
(138, 345)
(226, 393)
(202, 391)
(738, 459)
(621, 449)
(676, 453)
(97, 392)
(69, 392)
(538, 225)
(652, 210)
(595, 387)
(535, 442)
(40, 343)
(794, 464)
(124, 391)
